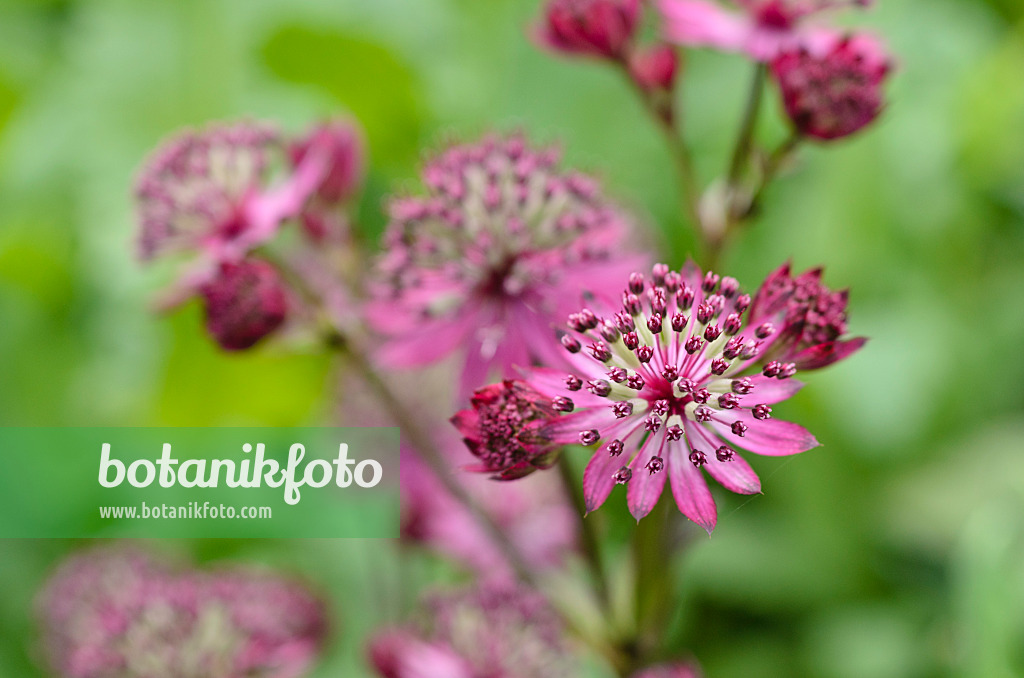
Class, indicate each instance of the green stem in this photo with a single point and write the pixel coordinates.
(653, 576)
(590, 543)
(748, 126)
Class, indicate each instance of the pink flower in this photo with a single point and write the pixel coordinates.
(533, 513)
(809, 317)
(832, 90)
(506, 429)
(490, 632)
(244, 302)
(761, 29)
(655, 68)
(598, 28)
(497, 252)
(207, 192)
(342, 143)
(664, 386)
(117, 613)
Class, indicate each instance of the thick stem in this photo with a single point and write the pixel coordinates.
(748, 126)
(588, 536)
(653, 576)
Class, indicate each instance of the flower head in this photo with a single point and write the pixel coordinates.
(655, 68)
(832, 91)
(761, 29)
(490, 632)
(341, 143)
(244, 302)
(198, 189)
(497, 252)
(506, 429)
(671, 393)
(598, 28)
(810, 318)
(116, 613)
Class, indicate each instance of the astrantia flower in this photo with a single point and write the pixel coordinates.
(497, 252)
(661, 389)
(833, 89)
(599, 28)
(115, 613)
(761, 29)
(534, 515)
(491, 632)
(244, 302)
(506, 429)
(810, 319)
(342, 143)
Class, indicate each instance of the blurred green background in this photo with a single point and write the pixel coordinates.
(894, 551)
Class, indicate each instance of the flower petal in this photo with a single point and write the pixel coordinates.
(770, 391)
(735, 475)
(551, 383)
(772, 437)
(645, 487)
(822, 355)
(689, 489)
(597, 478)
(703, 24)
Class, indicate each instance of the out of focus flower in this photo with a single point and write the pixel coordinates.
(498, 251)
(810, 319)
(833, 89)
(534, 514)
(662, 387)
(244, 302)
(761, 28)
(491, 632)
(655, 68)
(508, 429)
(597, 28)
(669, 671)
(115, 613)
(342, 143)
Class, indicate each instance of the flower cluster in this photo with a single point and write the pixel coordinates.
(665, 386)
(116, 613)
(607, 29)
(221, 193)
(488, 632)
(497, 252)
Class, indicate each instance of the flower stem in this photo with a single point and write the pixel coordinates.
(748, 126)
(653, 576)
(428, 450)
(588, 536)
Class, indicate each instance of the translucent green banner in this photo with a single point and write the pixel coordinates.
(199, 482)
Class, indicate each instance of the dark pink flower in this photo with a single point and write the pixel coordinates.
(655, 68)
(810, 319)
(533, 513)
(499, 250)
(662, 387)
(342, 143)
(244, 302)
(489, 632)
(598, 28)
(832, 90)
(117, 613)
(761, 28)
(507, 429)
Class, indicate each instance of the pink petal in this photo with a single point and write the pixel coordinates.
(468, 423)
(427, 344)
(689, 489)
(819, 356)
(773, 438)
(770, 391)
(475, 371)
(597, 478)
(566, 428)
(644, 487)
(703, 24)
(735, 475)
(551, 383)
